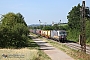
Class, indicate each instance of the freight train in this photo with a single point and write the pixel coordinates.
(58, 35)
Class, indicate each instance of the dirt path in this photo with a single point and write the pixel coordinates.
(52, 52)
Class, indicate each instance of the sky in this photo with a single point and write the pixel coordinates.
(47, 11)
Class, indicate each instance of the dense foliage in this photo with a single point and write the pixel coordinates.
(13, 31)
(88, 31)
(74, 24)
(74, 18)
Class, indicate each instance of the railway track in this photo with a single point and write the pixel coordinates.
(74, 46)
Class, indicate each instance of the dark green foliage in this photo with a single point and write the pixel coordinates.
(87, 12)
(13, 31)
(41, 27)
(88, 31)
(74, 24)
(65, 27)
(21, 19)
(55, 27)
(47, 27)
(74, 17)
(73, 35)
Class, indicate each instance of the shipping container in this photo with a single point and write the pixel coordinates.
(43, 33)
(53, 34)
(34, 31)
(31, 30)
(47, 33)
(38, 31)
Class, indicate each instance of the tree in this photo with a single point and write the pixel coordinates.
(47, 27)
(21, 19)
(13, 31)
(41, 26)
(87, 12)
(55, 27)
(9, 20)
(88, 30)
(74, 23)
(74, 17)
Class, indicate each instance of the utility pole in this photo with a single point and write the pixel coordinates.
(59, 25)
(44, 23)
(40, 22)
(82, 35)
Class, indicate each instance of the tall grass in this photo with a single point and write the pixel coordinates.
(17, 54)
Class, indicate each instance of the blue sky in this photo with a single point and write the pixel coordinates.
(44, 10)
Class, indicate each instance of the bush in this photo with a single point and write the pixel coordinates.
(13, 31)
(73, 35)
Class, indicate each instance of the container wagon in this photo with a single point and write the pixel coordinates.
(38, 31)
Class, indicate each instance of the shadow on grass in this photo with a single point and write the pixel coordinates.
(33, 37)
(31, 43)
(46, 49)
(68, 41)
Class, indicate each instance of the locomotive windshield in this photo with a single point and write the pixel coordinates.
(62, 33)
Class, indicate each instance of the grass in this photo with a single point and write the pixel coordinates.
(31, 52)
(18, 54)
(77, 55)
(32, 45)
(42, 56)
(88, 44)
(22, 54)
